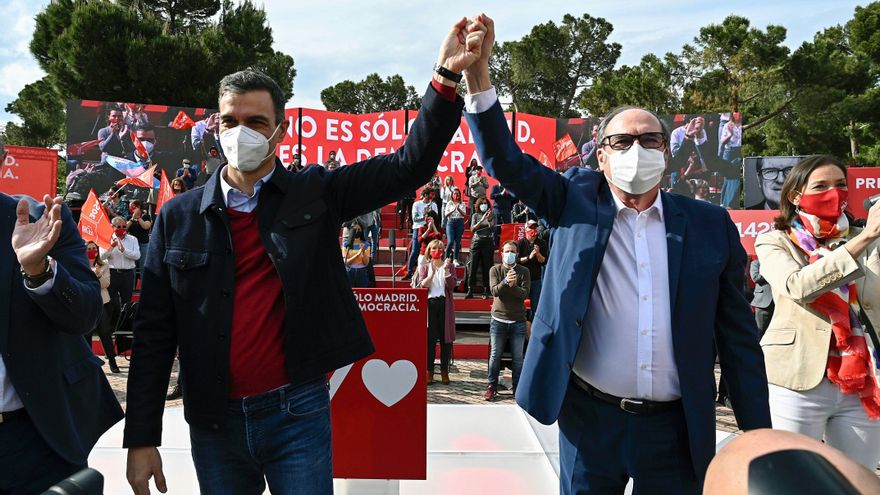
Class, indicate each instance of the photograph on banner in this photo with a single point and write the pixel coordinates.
(111, 141)
(30, 171)
(705, 159)
(764, 176)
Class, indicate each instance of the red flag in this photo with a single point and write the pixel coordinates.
(81, 148)
(165, 192)
(143, 180)
(545, 161)
(94, 225)
(564, 148)
(182, 121)
(139, 146)
(511, 232)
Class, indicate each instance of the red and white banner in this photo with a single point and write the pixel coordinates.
(165, 192)
(30, 171)
(93, 222)
(862, 182)
(511, 232)
(379, 404)
(751, 224)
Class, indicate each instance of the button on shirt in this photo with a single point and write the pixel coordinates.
(626, 347)
(238, 200)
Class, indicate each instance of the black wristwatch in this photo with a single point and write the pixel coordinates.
(34, 281)
(448, 74)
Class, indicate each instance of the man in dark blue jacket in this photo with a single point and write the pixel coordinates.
(641, 289)
(55, 401)
(245, 276)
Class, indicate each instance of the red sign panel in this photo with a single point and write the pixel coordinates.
(31, 171)
(751, 224)
(379, 404)
(862, 184)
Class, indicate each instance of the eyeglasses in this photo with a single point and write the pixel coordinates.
(648, 140)
(773, 173)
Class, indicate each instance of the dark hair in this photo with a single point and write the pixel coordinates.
(115, 108)
(136, 204)
(796, 181)
(600, 133)
(433, 214)
(178, 180)
(426, 191)
(98, 260)
(480, 201)
(245, 81)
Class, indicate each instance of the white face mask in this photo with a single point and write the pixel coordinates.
(637, 169)
(245, 148)
(483, 207)
(509, 258)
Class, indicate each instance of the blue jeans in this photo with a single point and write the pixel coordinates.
(454, 231)
(373, 231)
(499, 334)
(282, 437)
(414, 252)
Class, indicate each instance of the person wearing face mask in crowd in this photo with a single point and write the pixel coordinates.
(332, 163)
(479, 185)
(139, 226)
(643, 287)
(429, 232)
(533, 252)
(244, 275)
(189, 172)
(420, 210)
(357, 257)
(509, 283)
(482, 247)
(455, 215)
(122, 258)
(178, 186)
(819, 346)
(438, 276)
(105, 331)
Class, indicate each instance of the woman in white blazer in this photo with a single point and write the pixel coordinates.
(824, 278)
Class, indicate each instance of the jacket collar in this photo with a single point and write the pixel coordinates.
(213, 195)
(676, 225)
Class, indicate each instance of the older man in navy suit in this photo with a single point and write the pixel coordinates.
(55, 401)
(641, 290)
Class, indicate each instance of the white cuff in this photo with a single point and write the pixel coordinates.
(480, 102)
(44, 289)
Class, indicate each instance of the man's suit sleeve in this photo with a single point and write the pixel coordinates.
(755, 273)
(373, 183)
(153, 347)
(541, 189)
(74, 303)
(736, 336)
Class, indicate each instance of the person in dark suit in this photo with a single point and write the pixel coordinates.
(55, 401)
(257, 327)
(641, 289)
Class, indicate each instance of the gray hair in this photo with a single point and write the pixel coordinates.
(245, 81)
(600, 133)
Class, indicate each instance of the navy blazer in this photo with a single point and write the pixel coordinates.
(706, 270)
(54, 372)
(189, 275)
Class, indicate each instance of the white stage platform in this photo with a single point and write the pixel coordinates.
(472, 450)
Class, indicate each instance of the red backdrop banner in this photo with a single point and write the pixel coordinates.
(751, 224)
(862, 182)
(31, 171)
(379, 404)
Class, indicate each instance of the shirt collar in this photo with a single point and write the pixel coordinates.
(657, 205)
(227, 189)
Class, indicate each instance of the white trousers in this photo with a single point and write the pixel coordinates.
(825, 413)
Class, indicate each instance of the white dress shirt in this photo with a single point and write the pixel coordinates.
(438, 283)
(238, 200)
(119, 260)
(626, 348)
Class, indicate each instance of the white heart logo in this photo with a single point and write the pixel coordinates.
(389, 384)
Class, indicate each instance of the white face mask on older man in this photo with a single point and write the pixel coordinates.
(245, 148)
(636, 170)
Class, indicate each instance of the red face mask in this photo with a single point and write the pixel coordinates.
(827, 205)
(92, 254)
(436, 254)
(120, 233)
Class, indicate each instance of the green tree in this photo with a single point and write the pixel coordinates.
(133, 51)
(547, 69)
(42, 113)
(372, 94)
(655, 84)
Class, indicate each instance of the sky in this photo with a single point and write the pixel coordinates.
(334, 40)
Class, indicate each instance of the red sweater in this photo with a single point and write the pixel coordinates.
(256, 349)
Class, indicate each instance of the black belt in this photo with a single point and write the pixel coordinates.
(121, 269)
(10, 415)
(633, 406)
